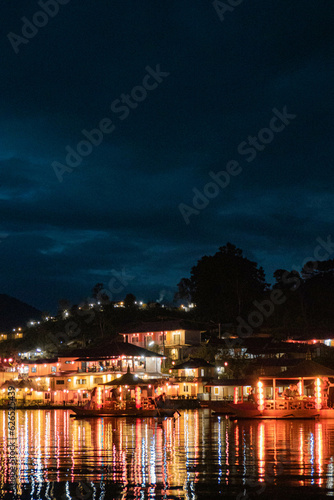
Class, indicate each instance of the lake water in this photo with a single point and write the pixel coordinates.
(195, 457)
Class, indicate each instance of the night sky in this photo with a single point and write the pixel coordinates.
(183, 90)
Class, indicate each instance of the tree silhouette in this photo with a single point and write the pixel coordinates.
(224, 286)
(129, 300)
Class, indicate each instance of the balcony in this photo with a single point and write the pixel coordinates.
(110, 369)
(200, 380)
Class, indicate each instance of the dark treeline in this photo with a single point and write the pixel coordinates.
(228, 288)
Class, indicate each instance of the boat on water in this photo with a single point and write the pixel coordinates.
(305, 391)
(113, 399)
(275, 410)
(81, 412)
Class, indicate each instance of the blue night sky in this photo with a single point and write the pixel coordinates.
(180, 88)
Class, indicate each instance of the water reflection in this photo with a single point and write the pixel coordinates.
(190, 458)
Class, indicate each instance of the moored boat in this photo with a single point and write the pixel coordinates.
(108, 402)
(280, 410)
(306, 395)
(81, 412)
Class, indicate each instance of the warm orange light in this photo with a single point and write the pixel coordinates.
(99, 396)
(236, 396)
(137, 397)
(318, 398)
(260, 396)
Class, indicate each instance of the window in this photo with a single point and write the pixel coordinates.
(53, 369)
(148, 340)
(202, 372)
(33, 369)
(174, 353)
(176, 338)
(81, 381)
(98, 380)
(185, 388)
(60, 382)
(216, 391)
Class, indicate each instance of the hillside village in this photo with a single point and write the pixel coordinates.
(177, 356)
(226, 327)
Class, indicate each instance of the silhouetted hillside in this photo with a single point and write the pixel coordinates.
(14, 313)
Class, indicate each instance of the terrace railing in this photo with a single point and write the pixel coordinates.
(290, 404)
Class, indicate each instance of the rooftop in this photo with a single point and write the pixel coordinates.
(110, 350)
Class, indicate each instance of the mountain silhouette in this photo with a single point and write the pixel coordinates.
(15, 313)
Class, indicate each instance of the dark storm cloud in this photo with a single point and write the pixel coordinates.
(119, 208)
